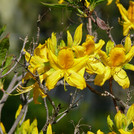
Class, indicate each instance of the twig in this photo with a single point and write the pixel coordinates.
(47, 114)
(129, 97)
(93, 90)
(89, 26)
(8, 91)
(1, 132)
(18, 119)
(25, 41)
(73, 104)
(111, 91)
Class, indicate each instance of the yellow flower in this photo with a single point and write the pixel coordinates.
(65, 65)
(37, 62)
(115, 60)
(127, 16)
(49, 129)
(2, 128)
(87, 4)
(60, 1)
(98, 132)
(122, 122)
(27, 128)
(109, 2)
(90, 48)
(77, 37)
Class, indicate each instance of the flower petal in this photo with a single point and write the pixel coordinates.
(36, 95)
(130, 114)
(128, 43)
(127, 25)
(49, 129)
(121, 77)
(99, 132)
(53, 60)
(79, 63)
(54, 78)
(78, 35)
(129, 66)
(99, 45)
(95, 67)
(69, 39)
(103, 57)
(101, 78)
(123, 11)
(117, 56)
(109, 46)
(130, 55)
(120, 120)
(79, 51)
(124, 132)
(75, 79)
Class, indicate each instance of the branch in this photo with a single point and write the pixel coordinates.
(111, 91)
(1, 132)
(25, 41)
(9, 90)
(18, 119)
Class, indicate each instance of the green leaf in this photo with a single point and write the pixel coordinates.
(7, 64)
(2, 30)
(99, 1)
(4, 46)
(54, 5)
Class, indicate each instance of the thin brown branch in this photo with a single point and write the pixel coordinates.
(18, 119)
(89, 26)
(9, 90)
(93, 90)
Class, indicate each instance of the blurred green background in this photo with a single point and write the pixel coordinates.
(21, 17)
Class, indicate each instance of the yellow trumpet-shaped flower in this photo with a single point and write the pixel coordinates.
(65, 65)
(90, 48)
(127, 16)
(115, 59)
(37, 62)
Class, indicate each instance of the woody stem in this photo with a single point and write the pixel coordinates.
(111, 91)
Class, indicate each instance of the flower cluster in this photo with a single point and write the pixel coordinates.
(69, 61)
(122, 124)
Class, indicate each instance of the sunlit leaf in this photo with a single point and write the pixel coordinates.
(2, 29)
(4, 46)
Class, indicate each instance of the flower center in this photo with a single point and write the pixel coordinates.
(117, 57)
(66, 58)
(89, 45)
